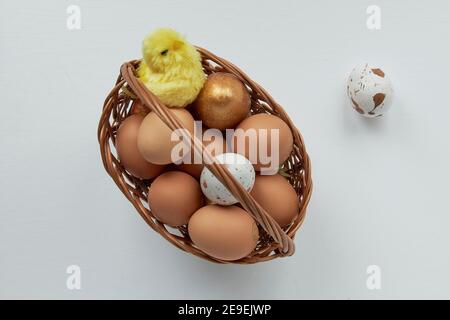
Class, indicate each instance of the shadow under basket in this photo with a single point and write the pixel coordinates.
(274, 241)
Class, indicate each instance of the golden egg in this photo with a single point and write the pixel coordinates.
(128, 153)
(223, 101)
(154, 137)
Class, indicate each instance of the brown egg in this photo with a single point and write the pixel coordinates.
(154, 141)
(128, 153)
(215, 145)
(173, 197)
(262, 124)
(223, 101)
(139, 108)
(227, 233)
(276, 195)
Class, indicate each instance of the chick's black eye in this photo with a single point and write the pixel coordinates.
(164, 52)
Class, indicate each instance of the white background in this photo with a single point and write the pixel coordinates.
(380, 186)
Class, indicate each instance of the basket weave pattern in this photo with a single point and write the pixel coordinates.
(274, 241)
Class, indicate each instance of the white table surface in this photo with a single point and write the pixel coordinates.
(380, 186)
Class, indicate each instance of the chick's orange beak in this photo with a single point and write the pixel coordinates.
(177, 44)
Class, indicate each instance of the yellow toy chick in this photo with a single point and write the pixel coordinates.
(171, 68)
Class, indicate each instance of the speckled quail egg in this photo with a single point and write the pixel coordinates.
(239, 166)
(370, 91)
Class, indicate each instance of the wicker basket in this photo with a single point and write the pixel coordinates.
(274, 241)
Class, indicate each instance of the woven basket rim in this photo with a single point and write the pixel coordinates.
(116, 108)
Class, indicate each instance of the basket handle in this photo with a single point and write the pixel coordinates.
(220, 171)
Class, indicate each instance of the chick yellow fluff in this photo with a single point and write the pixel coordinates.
(171, 68)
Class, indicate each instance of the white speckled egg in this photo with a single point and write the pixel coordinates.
(239, 166)
(370, 91)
